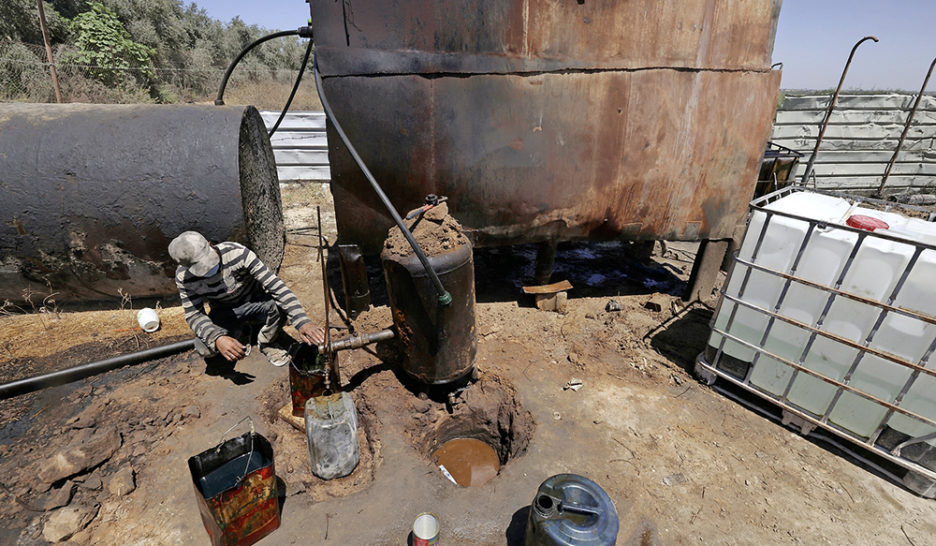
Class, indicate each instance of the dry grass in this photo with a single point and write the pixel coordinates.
(272, 95)
(43, 334)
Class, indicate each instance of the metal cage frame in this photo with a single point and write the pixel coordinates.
(710, 371)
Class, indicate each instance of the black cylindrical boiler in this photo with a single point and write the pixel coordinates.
(438, 341)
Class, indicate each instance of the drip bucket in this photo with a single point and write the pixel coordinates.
(307, 372)
(331, 430)
(571, 510)
(235, 486)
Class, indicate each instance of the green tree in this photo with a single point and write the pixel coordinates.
(107, 49)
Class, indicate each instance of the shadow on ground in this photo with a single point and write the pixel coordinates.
(595, 269)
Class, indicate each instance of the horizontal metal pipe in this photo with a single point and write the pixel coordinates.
(355, 342)
(36, 382)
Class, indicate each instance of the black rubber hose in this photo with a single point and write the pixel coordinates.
(302, 67)
(36, 382)
(444, 297)
(227, 74)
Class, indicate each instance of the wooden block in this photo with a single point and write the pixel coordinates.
(552, 302)
(548, 288)
(285, 413)
(546, 302)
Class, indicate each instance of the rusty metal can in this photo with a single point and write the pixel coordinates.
(426, 530)
(308, 370)
(235, 486)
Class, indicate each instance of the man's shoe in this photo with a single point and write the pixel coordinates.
(277, 357)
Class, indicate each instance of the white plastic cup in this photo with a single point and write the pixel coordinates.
(426, 530)
(148, 319)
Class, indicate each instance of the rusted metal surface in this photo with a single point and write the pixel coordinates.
(439, 342)
(453, 36)
(354, 279)
(311, 374)
(546, 120)
(247, 512)
(94, 193)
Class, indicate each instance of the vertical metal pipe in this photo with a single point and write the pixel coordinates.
(906, 129)
(825, 121)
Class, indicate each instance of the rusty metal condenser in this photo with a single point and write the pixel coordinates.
(438, 341)
(92, 194)
(550, 120)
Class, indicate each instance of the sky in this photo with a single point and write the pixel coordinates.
(813, 39)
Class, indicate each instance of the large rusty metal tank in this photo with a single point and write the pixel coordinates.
(549, 120)
(92, 194)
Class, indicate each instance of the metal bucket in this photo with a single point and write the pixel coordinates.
(308, 370)
(439, 342)
(235, 486)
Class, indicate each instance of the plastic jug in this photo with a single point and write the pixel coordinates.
(331, 430)
(571, 510)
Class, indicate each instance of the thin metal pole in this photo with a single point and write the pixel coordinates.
(48, 49)
(329, 354)
(906, 128)
(825, 121)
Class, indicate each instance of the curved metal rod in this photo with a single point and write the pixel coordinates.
(74, 373)
(444, 297)
(219, 100)
(906, 129)
(778, 66)
(825, 121)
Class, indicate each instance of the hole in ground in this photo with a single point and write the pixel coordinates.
(487, 411)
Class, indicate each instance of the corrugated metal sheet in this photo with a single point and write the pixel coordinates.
(299, 146)
(861, 138)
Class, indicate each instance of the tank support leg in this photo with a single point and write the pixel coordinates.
(354, 279)
(545, 261)
(705, 269)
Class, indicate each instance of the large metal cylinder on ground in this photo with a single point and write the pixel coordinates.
(550, 121)
(92, 194)
(439, 342)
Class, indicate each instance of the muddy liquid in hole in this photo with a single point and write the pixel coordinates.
(469, 461)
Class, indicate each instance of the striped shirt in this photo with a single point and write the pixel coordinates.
(240, 278)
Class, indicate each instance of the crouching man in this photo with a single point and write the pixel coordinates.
(241, 292)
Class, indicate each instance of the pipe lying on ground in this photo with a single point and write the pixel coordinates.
(61, 377)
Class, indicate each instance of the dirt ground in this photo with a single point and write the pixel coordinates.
(103, 460)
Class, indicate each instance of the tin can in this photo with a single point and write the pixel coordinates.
(426, 530)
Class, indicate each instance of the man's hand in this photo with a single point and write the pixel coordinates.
(312, 334)
(230, 348)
